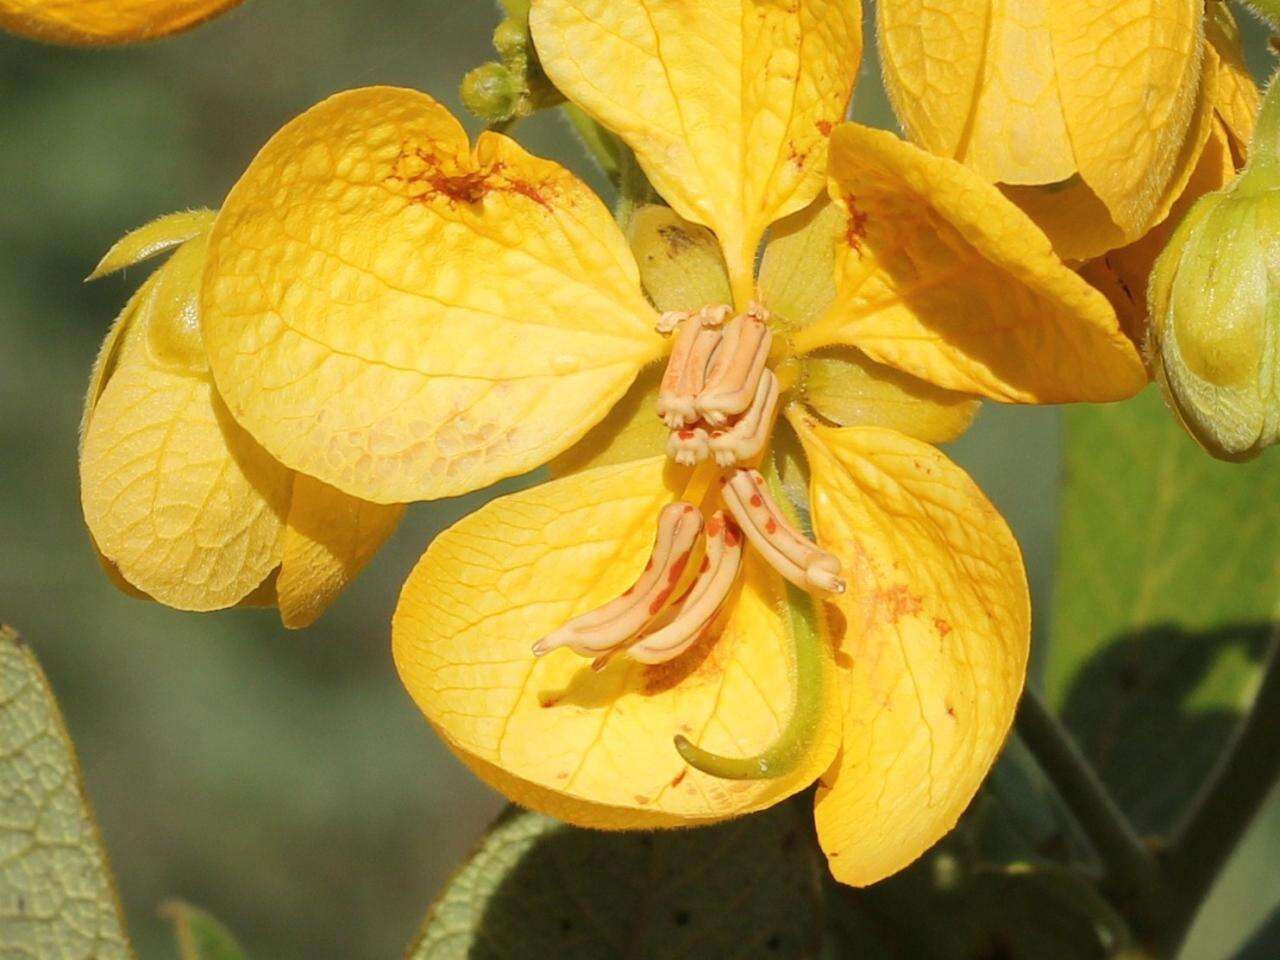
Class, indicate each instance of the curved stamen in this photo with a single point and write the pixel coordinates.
(735, 371)
(746, 437)
(704, 600)
(609, 626)
(786, 549)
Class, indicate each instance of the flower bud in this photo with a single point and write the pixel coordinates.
(1214, 304)
(511, 40)
(492, 92)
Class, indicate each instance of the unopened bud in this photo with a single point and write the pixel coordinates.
(1214, 306)
(492, 92)
(511, 40)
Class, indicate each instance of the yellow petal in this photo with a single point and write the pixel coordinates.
(1040, 91)
(726, 103)
(328, 539)
(406, 318)
(592, 748)
(1122, 274)
(94, 22)
(850, 389)
(941, 276)
(1077, 220)
(163, 233)
(177, 497)
(1237, 98)
(934, 653)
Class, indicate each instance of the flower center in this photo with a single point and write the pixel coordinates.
(719, 399)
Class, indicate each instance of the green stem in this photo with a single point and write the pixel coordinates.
(1131, 870)
(603, 147)
(1228, 802)
(797, 737)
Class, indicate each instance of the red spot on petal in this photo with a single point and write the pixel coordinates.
(856, 229)
(675, 782)
(771, 526)
(732, 535)
(941, 626)
(677, 568)
(824, 127)
(706, 563)
(900, 602)
(757, 500)
(713, 526)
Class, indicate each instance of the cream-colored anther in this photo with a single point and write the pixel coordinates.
(736, 368)
(688, 446)
(714, 314)
(704, 600)
(609, 626)
(686, 372)
(785, 548)
(745, 437)
(669, 320)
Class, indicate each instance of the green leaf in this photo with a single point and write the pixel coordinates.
(56, 894)
(199, 935)
(537, 888)
(1168, 577)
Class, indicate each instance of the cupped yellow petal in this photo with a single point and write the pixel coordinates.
(726, 103)
(849, 389)
(1053, 91)
(1236, 95)
(95, 22)
(179, 499)
(934, 648)
(329, 537)
(798, 269)
(404, 317)
(630, 431)
(592, 748)
(940, 276)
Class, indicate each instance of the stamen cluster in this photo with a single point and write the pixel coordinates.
(718, 398)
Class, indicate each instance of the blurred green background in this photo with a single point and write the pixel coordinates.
(283, 780)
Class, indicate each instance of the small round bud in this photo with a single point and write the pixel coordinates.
(492, 92)
(511, 40)
(1214, 305)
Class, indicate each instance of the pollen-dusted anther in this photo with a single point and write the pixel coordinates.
(736, 368)
(746, 437)
(688, 446)
(786, 549)
(606, 627)
(704, 600)
(686, 372)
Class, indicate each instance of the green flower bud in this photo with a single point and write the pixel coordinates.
(511, 40)
(1214, 299)
(492, 92)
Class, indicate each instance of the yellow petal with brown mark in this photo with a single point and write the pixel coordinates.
(99, 22)
(405, 317)
(934, 652)
(726, 103)
(940, 276)
(329, 537)
(591, 748)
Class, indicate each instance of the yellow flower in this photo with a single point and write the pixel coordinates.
(184, 507)
(97, 22)
(406, 316)
(1091, 113)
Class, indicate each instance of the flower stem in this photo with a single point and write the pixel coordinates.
(797, 737)
(1228, 801)
(602, 146)
(1264, 151)
(1132, 871)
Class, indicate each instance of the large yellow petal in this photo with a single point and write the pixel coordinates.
(1236, 97)
(94, 22)
(404, 317)
(1039, 91)
(934, 652)
(592, 748)
(726, 103)
(941, 276)
(328, 539)
(178, 498)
